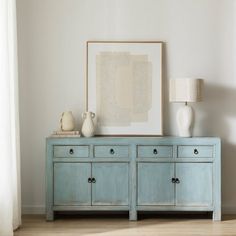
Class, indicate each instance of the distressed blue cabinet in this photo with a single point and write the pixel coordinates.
(195, 184)
(71, 185)
(154, 184)
(133, 174)
(112, 184)
(91, 184)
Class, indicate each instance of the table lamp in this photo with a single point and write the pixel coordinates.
(185, 90)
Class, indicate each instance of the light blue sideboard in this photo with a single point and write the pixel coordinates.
(133, 174)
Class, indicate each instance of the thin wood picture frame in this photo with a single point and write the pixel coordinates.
(127, 75)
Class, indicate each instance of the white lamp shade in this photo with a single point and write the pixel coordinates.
(186, 90)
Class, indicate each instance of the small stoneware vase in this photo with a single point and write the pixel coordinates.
(67, 121)
(88, 128)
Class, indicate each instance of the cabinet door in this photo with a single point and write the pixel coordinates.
(195, 184)
(112, 184)
(154, 184)
(71, 185)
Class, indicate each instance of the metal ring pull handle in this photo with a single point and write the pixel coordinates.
(195, 151)
(155, 151)
(71, 151)
(89, 180)
(93, 180)
(112, 151)
(173, 180)
(177, 181)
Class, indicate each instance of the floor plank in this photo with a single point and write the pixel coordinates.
(105, 225)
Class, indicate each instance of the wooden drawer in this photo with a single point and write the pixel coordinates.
(195, 151)
(71, 151)
(111, 151)
(155, 151)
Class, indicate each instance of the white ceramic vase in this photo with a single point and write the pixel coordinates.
(88, 128)
(67, 121)
(184, 121)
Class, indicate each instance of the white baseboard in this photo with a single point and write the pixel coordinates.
(33, 209)
(40, 209)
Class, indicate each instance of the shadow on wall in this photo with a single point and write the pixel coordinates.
(165, 86)
(219, 119)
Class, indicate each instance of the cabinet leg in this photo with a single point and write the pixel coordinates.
(217, 215)
(50, 215)
(133, 215)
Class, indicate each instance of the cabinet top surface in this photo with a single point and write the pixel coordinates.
(134, 137)
(137, 140)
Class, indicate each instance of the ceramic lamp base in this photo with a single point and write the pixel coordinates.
(185, 121)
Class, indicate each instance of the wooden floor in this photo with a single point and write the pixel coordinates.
(106, 225)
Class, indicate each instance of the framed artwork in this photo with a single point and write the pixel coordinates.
(124, 87)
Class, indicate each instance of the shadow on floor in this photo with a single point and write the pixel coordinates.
(141, 215)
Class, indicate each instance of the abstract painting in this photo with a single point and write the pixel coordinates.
(124, 87)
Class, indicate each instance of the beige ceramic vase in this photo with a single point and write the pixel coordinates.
(67, 121)
(88, 128)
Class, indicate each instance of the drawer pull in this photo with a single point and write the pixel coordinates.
(71, 151)
(155, 151)
(195, 151)
(89, 180)
(93, 180)
(173, 180)
(112, 151)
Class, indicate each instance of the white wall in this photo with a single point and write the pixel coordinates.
(199, 38)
